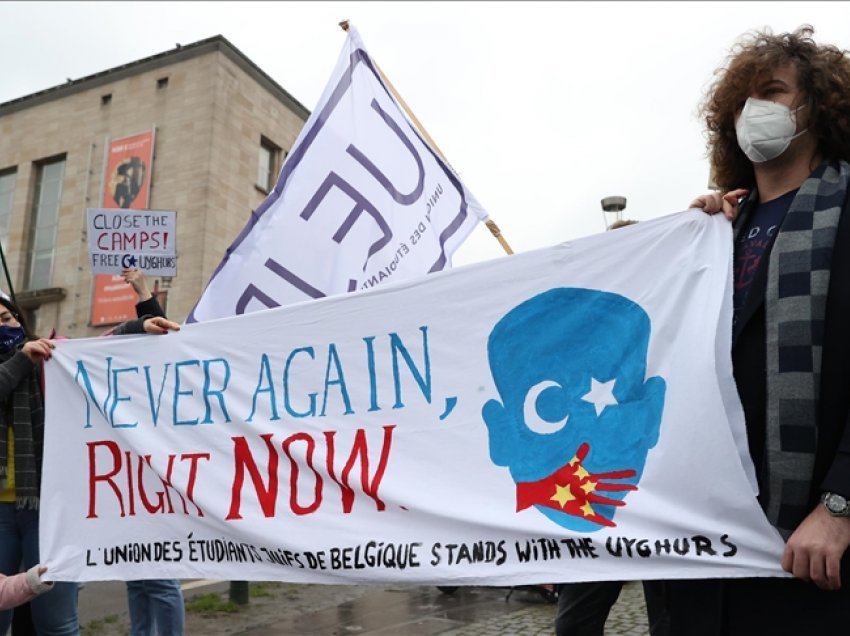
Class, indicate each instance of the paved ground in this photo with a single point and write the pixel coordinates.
(283, 609)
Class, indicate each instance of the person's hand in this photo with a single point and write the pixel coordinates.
(136, 277)
(715, 202)
(36, 584)
(38, 350)
(814, 550)
(159, 325)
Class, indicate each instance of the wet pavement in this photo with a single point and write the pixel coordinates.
(326, 610)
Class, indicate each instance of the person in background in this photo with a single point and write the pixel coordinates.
(778, 118)
(616, 225)
(583, 608)
(22, 621)
(156, 605)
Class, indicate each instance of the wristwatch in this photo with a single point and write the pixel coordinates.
(837, 505)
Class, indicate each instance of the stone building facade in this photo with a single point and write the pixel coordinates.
(221, 129)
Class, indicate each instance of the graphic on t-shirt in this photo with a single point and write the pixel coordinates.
(755, 240)
(576, 416)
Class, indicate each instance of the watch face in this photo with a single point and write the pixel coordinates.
(836, 504)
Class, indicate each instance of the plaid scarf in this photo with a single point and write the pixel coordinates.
(795, 308)
(25, 411)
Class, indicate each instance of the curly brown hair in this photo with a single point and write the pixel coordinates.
(823, 75)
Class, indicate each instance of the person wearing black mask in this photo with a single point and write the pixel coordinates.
(22, 354)
(21, 440)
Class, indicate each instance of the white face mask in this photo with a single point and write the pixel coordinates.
(765, 129)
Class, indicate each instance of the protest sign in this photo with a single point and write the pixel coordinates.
(119, 238)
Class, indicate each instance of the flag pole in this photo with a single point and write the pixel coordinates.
(491, 225)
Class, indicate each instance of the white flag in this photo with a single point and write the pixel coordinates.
(361, 199)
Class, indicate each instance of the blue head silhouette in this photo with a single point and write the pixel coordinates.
(576, 416)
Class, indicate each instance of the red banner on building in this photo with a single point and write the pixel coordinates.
(128, 163)
(113, 300)
(126, 184)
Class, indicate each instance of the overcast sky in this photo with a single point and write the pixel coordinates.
(543, 108)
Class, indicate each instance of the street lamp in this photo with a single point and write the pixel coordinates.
(612, 209)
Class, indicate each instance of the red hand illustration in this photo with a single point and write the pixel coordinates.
(572, 489)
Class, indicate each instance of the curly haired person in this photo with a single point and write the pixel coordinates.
(778, 120)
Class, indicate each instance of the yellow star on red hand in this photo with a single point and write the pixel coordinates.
(562, 495)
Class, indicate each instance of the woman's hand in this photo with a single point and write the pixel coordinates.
(715, 202)
(136, 278)
(159, 325)
(38, 350)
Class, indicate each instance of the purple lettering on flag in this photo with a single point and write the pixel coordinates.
(404, 199)
(361, 205)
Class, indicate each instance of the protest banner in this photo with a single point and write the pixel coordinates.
(552, 416)
(145, 239)
(361, 199)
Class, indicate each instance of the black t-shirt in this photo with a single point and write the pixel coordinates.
(749, 355)
(753, 241)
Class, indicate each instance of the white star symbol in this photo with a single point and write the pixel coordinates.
(601, 394)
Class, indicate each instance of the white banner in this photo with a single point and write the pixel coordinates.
(561, 415)
(361, 200)
(118, 238)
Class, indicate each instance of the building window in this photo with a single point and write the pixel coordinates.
(267, 166)
(105, 99)
(44, 220)
(162, 82)
(7, 190)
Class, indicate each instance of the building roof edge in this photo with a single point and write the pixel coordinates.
(177, 54)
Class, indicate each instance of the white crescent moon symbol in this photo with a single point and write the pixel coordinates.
(529, 410)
